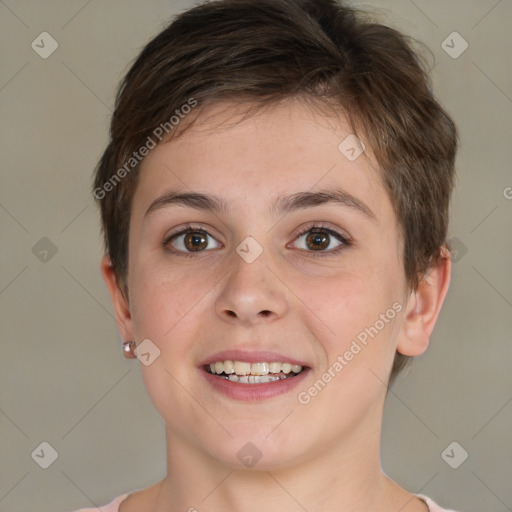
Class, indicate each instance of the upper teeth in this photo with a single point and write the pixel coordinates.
(244, 368)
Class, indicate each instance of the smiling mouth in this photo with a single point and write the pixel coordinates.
(253, 373)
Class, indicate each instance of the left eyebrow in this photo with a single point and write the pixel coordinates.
(280, 206)
(301, 200)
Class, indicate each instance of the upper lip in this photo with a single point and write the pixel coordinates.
(251, 357)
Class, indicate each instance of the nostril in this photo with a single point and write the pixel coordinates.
(265, 312)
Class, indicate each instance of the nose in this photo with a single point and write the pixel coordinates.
(251, 294)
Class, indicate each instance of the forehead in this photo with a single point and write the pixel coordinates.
(283, 149)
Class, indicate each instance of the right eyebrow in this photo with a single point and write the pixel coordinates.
(190, 199)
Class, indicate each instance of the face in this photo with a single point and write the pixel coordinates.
(292, 255)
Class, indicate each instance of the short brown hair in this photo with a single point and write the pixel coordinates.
(265, 51)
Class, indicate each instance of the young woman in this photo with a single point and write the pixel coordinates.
(274, 201)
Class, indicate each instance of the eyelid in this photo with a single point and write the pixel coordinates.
(182, 230)
(342, 235)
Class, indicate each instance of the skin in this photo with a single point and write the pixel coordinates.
(320, 456)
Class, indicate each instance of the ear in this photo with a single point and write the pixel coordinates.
(121, 305)
(423, 307)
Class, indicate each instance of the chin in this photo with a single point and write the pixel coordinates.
(253, 449)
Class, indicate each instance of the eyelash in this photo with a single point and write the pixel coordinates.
(345, 240)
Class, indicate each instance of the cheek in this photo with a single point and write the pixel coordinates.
(163, 296)
(357, 305)
(168, 310)
(363, 312)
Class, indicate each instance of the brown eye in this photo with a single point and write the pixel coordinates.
(191, 240)
(322, 240)
(317, 240)
(195, 241)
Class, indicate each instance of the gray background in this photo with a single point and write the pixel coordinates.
(64, 379)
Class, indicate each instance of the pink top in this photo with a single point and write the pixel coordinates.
(114, 506)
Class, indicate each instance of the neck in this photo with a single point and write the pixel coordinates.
(345, 476)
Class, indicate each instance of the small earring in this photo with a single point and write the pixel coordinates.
(129, 349)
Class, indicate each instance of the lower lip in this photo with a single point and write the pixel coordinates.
(254, 392)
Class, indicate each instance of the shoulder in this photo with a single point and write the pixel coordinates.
(432, 506)
(113, 506)
(139, 499)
